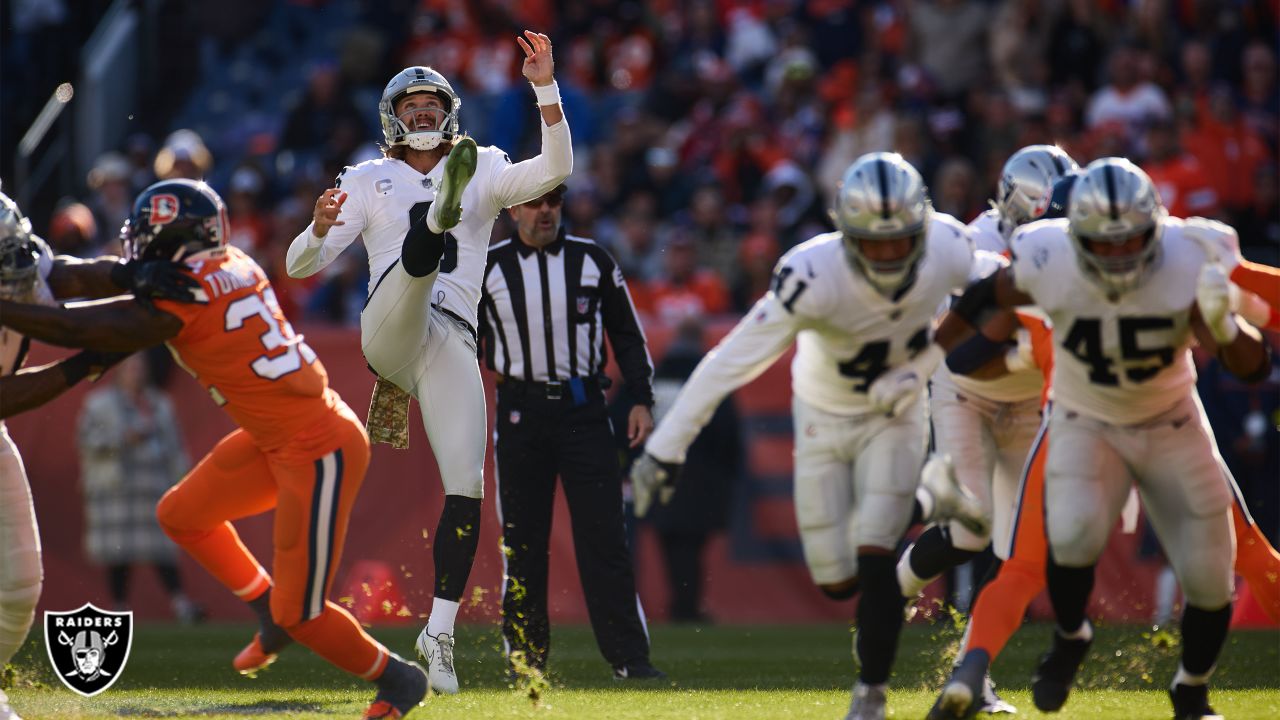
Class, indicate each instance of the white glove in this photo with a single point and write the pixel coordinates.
(1217, 299)
(895, 391)
(650, 476)
(1020, 357)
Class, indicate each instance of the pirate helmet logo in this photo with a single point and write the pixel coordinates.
(88, 647)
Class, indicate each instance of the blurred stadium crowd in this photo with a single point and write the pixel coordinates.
(709, 134)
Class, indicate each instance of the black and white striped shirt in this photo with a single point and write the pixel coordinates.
(544, 314)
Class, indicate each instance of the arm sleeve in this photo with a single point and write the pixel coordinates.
(308, 254)
(528, 179)
(622, 325)
(757, 341)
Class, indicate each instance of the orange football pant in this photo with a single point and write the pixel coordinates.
(1001, 605)
(313, 503)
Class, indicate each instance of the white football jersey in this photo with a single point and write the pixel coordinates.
(381, 193)
(985, 233)
(1123, 360)
(846, 333)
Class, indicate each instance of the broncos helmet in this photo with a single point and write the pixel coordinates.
(174, 219)
(882, 198)
(1026, 183)
(413, 80)
(1112, 203)
(19, 252)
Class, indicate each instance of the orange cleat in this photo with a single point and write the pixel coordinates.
(382, 710)
(253, 659)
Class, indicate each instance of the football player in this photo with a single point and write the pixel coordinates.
(859, 304)
(1000, 605)
(1126, 289)
(426, 226)
(299, 448)
(31, 273)
(987, 426)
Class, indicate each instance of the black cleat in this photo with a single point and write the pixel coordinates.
(1191, 702)
(962, 695)
(1056, 672)
(638, 670)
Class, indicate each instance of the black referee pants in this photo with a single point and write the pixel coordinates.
(538, 439)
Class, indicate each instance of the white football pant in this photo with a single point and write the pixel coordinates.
(20, 571)
(988, 442)
(1184, 488)
(855, 484)
(433, 357)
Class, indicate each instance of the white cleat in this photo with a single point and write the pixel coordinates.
(951, 500)
(868, 703)
(436, 652)
(993, 704)
(6, 712)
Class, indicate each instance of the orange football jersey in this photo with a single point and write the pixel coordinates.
(240, 347)
(1041, 348)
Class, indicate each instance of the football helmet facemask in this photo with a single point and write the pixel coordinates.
(19, 252)
(1112, 205)
(882, 199)
(173, 220)
(1026, 183)
(403, 129)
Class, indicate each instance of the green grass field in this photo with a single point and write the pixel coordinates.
(733, 672)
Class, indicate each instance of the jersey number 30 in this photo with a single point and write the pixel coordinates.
(279, 335)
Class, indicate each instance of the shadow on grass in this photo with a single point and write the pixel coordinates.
(267, 707)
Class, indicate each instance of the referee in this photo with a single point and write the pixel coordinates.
(548, 301)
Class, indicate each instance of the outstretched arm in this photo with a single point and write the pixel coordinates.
(32, 387)
(528, 179)
(117, 325)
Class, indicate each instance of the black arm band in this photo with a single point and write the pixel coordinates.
(973, 353)
(978, 301)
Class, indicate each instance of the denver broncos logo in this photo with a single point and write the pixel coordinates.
(164, 209)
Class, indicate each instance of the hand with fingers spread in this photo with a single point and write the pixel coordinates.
(328, 207)
(538, 65)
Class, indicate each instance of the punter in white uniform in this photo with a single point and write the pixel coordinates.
(426, 226)
(987, 426)
(859, 303)
(1128, 290)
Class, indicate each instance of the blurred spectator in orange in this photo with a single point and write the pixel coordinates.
(857, 130)
(1228, 149)
(1127, 100)
(250, 227)
(72, 230)
(1177, 175)
(184, 155)
(112, 199)
(686, 290)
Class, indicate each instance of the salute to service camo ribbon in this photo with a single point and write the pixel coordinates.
(389, 415)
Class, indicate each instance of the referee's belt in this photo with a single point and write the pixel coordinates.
(578, 389)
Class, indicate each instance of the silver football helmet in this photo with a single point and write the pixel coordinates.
(1112, 204)
(403, 130)
(18, 252)
(882, 198)
(1026, 183)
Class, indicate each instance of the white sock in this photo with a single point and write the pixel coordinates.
(434, 227)
(925, 498)
(911, 583)
(443, 615)
(1084, 632)
(1182, 677)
